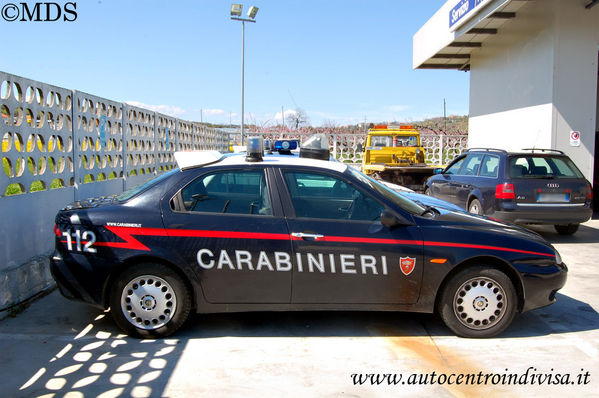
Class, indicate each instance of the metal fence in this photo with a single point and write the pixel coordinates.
(439, 149)
(61, 145)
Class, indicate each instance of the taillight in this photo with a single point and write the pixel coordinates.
(589, 191)
(505, 191)
(57, 231)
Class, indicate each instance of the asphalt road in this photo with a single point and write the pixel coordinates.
(59, 348)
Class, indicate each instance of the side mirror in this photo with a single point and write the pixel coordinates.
(360, 148)
(390, 220)
(438, 170)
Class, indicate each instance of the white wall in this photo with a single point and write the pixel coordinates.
(575, 80)
(537, 79)
(513, 129)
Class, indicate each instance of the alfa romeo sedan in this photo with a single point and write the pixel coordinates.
(247, 232)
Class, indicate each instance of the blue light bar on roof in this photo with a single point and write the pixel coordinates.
(286, 145)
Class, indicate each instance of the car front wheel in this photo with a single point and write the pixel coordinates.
(566, 229)
(478, 302)
(149, 300)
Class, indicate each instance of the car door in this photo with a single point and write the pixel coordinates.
(228, 227)
(443, 186)
(466, 181)
(487, 181)
(343, 253)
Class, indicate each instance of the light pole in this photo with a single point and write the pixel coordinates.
(236, 15)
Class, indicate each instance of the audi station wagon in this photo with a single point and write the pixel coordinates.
(255, 232)
(535, 186)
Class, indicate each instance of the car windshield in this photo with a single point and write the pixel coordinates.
(380, 141)
(128, 194)
(401, 201)
(538, 166)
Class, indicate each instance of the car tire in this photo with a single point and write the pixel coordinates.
(475, 207)
(478, 302)
(568, 229)
(149, 300)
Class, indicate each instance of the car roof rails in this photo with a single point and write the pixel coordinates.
(487, 150)
(543, 150)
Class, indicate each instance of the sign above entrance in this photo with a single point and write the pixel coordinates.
(463, 11)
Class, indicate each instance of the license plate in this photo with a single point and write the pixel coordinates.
(553, 197)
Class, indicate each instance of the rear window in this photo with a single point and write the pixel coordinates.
(534, 166)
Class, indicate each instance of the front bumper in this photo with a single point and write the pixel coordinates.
(540, 287)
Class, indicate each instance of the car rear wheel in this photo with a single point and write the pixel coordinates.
(568, 229)
(149, 300)
(478, 302)
(475, 207)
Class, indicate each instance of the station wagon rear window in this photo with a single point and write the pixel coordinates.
(531, 166)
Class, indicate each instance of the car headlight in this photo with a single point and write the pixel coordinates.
(558, 258)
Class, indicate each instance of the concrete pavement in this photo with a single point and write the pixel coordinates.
(59, 348)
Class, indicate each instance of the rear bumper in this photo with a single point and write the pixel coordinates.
(540, 288)
(68, 284)
(545, 215)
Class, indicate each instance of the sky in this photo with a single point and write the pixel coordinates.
(342, 62)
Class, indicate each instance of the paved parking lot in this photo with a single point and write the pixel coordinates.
(61, 348)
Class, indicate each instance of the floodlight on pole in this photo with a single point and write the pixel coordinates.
(252, 12)
(236, 15)
(236, 10)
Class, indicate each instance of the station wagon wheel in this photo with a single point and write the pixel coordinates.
(149, 300)
(478, 302)
(568, 229)
(475, 207)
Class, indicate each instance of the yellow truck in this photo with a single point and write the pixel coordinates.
(394, 154)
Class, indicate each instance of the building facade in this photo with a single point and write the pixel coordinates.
(533, 72)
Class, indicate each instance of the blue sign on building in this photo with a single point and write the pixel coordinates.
(462, 9)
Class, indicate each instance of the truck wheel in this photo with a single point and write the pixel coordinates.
(478, 302)
(149, 300)
(568, 229)
(475, 207)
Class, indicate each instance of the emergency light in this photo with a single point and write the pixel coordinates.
(316, 147)
(285, 146)
(255, 149)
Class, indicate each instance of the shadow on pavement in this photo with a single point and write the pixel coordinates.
(94, 360)
(97, 360)
(567, 315)
(585, 234)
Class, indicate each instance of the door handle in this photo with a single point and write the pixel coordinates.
(303, 235)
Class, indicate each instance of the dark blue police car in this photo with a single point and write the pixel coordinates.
(239, 232)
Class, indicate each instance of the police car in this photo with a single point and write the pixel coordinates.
(255, 232)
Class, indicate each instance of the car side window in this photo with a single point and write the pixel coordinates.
(316, 195)
(471, 165)
(489, 166)
(455, 168)
(231, 192)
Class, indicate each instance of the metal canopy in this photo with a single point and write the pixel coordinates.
(490, 21)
